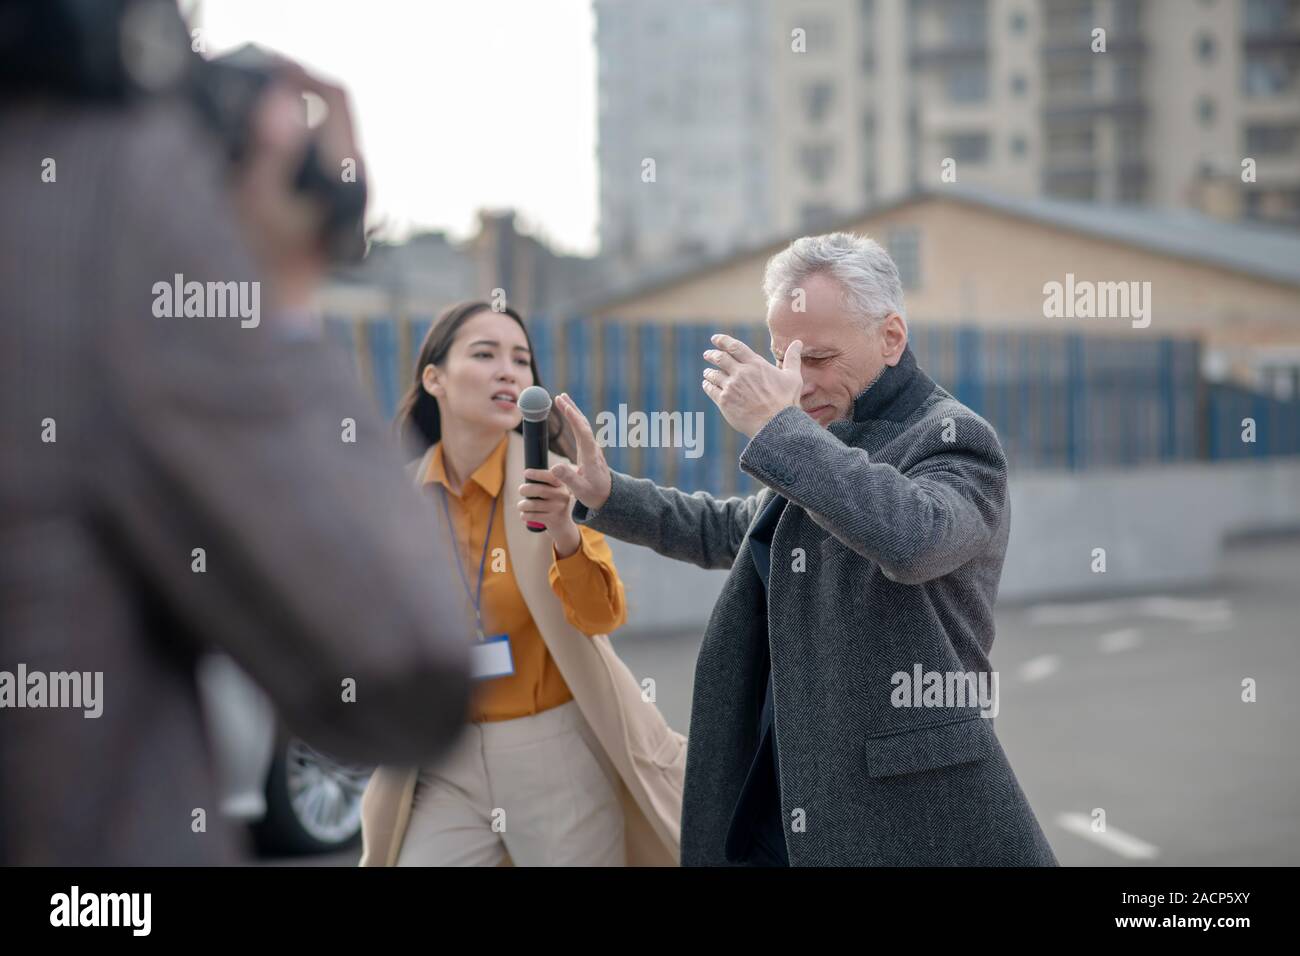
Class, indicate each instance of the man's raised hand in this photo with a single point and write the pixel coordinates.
(748, 389)
(588, 478)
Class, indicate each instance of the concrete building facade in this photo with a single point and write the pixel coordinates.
(774, 116)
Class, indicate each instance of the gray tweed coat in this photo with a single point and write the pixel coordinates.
(887, 557)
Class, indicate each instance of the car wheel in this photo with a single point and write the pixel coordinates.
(313, 802)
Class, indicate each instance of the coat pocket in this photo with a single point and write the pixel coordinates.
(930, 747)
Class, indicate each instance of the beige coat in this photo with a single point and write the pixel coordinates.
(650, 756)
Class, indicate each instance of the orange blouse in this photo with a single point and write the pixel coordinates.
(586, 583)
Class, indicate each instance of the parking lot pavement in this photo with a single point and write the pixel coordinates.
(1131, 706)
(1134, 706)
(1143, 718)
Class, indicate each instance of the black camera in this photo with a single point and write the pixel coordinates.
(226, 91)
(117, 51)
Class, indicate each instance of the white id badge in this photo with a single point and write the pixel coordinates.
(491, 657)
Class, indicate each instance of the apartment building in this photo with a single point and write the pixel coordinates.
(771, 116)
(1155, 102)
(684, 121)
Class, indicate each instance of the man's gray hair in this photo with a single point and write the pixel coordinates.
(862, 267)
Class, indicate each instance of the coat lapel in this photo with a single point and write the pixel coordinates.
(648, 755)
(630, 730)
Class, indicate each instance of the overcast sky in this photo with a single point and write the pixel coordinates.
(460, 104)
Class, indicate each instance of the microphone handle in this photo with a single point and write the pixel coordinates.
(535, 456)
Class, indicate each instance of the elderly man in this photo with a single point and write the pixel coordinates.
(871, 557)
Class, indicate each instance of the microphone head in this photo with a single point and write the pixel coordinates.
(535, 404)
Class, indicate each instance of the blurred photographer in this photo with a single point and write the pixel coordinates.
(174, 478)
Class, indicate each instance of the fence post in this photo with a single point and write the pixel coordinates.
(970, 368)
(1075, 397)
(1168, 399)
(1263, 432)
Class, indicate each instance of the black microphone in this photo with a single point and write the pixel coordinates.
(536, 407)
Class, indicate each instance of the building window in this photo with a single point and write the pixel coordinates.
(1072, 186)
(819, 34)
(1070, 139)
(1019, 84)
(1267, 16)
(1019, 146)
(1131, 189)
(1254, 205)
(1128, 18)
(1069, 23)
(1128, 80)
(816, 160)
(1069, 80)
(968, 83)
(1018, 22)
(1271, 140)
(968, 147)
(1266, 75)
(1128, 138)
(1205, 47)
(867, 11)
(1205, 110)
(817, 101)
(904, 245)
(966, 23)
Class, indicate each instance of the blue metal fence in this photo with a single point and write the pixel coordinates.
(1058, 401)
(1245, 424)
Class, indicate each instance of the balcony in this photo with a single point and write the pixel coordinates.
(1078, 106)
(1069, 45)
(946, 52)
(1283, 41)
(1271, 25)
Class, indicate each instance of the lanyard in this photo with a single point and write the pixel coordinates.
(477, 595)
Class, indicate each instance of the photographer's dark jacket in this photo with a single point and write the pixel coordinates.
(173, 434)
(887, 555)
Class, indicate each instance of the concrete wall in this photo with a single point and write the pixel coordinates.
(1162, 529)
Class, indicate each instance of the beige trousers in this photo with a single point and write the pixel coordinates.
(539, 788)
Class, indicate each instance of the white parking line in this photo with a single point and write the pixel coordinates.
(1117, 841)
(1079, 612)
(1037, 668)
(1121, 640)
(1189, 610)
(1158, 606)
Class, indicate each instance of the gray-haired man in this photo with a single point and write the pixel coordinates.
(874, 550)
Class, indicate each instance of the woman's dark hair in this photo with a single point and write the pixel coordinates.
(417, 414)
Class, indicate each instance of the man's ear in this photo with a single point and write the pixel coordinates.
(893, 334)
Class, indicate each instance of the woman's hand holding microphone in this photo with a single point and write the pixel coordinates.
(548, 494)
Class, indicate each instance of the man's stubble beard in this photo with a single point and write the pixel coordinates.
(866, 388)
